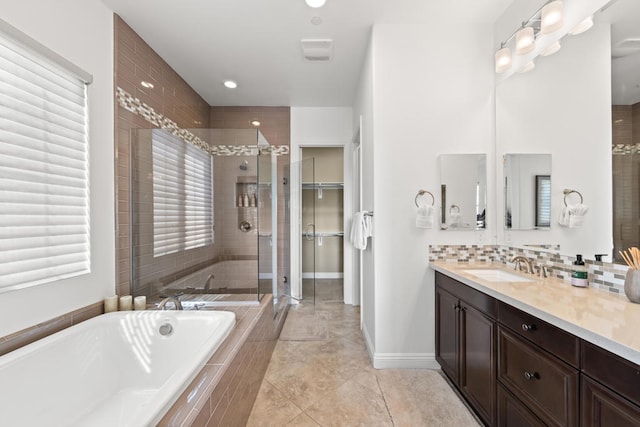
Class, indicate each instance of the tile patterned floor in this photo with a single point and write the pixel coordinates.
(332, 382)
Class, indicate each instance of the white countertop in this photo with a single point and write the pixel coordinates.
(608, 320)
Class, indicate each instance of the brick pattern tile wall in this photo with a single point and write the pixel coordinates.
(171, 96)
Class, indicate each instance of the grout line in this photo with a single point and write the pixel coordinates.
(384, 398)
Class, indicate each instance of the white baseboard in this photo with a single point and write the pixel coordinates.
(405, 361)
(323, 275)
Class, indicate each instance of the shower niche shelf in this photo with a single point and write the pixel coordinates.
(246, 194)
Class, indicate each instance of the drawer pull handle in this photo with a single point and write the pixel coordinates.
(528, 328)
(531, 376)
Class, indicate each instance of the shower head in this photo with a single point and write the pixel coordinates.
(244, 165)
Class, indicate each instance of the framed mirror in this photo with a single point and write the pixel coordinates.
(527, 191)
(463, 191)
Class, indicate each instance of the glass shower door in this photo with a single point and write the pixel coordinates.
(267, 225)
(308, 190)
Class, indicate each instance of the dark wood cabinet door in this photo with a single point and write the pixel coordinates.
(512, 413)
(545, 384)
(447, 333)
(477, 375)
(602, 407)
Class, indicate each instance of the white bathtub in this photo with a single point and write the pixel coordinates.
(113, 370)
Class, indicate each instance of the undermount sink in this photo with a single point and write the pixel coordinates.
(497, 275)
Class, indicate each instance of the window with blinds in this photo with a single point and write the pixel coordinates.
(182, 195)
(44, 183)
(543, 201)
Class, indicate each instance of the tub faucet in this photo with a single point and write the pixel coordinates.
(175, 300)
(527, 262)
(207, 284)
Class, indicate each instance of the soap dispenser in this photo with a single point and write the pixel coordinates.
(579, 273)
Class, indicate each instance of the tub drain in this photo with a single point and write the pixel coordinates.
(166, 329)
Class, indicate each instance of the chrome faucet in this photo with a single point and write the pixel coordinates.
(527, 262)
(207, 284)
(174, 299)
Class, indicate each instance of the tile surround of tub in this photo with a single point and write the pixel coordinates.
(223, 393)
(602, 275)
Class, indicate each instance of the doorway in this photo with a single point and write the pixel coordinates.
(322, 212)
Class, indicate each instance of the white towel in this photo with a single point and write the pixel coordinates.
(424, 217)
(573, 216)
(361, 229)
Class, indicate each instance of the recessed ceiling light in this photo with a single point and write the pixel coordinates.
(146, 84)
(255, 123)
(230, 84)
(315, 3)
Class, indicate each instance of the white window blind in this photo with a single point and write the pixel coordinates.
(543, 201)
(182, 195)
(44, 186)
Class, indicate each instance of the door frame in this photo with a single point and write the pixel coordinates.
(296, 227)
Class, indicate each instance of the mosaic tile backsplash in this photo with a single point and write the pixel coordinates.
(602, 275)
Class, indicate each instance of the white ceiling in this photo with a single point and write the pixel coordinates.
(257, 42)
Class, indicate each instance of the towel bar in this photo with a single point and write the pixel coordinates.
(422, 193)
(568, 191)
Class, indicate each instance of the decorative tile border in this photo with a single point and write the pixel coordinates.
(602, 275)
(136, 106)
(625, 149)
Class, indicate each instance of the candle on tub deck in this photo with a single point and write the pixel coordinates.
(140, 303)
(111, 304)
(126, 303)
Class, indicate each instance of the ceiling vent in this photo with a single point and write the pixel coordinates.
(317, 50)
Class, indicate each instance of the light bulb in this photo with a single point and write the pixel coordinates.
(552, 17)
(525, 41)
(503, 60)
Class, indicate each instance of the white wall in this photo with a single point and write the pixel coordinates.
(432, 94)
(82, 32)
(563, 108)
(320, 127)
(363, 110)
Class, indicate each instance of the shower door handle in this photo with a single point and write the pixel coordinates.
(310, 235)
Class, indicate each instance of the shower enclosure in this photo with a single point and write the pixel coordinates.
(204, 221)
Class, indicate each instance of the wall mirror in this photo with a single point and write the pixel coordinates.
(463, 191)
(527, 191)
(563, 107)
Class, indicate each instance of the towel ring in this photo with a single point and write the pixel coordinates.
(422, 193)
(567, 191)
(454, 207)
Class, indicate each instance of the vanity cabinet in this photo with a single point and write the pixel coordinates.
(515, 369)
(465, 343)
(602, 373)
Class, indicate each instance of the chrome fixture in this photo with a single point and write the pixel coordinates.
(207, 284)
(174, 299)
(518, 259)
(542, 271)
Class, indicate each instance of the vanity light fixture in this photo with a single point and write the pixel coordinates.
(525, 41)
(503, 60)
(583, 26)
(146, 84)
(551, 17)
(553, 48)
(315, 3)
(230, 84)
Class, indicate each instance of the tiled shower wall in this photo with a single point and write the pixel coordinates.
(172, 101)
(603, 275)
(171, 96)
(275, 126)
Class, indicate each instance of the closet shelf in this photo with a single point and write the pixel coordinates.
(322, 185)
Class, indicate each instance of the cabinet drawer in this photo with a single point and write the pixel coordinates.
(546, 385)
(602, 407)
(512, 413)
(482, 302)
(556, 341)
(611, 370)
